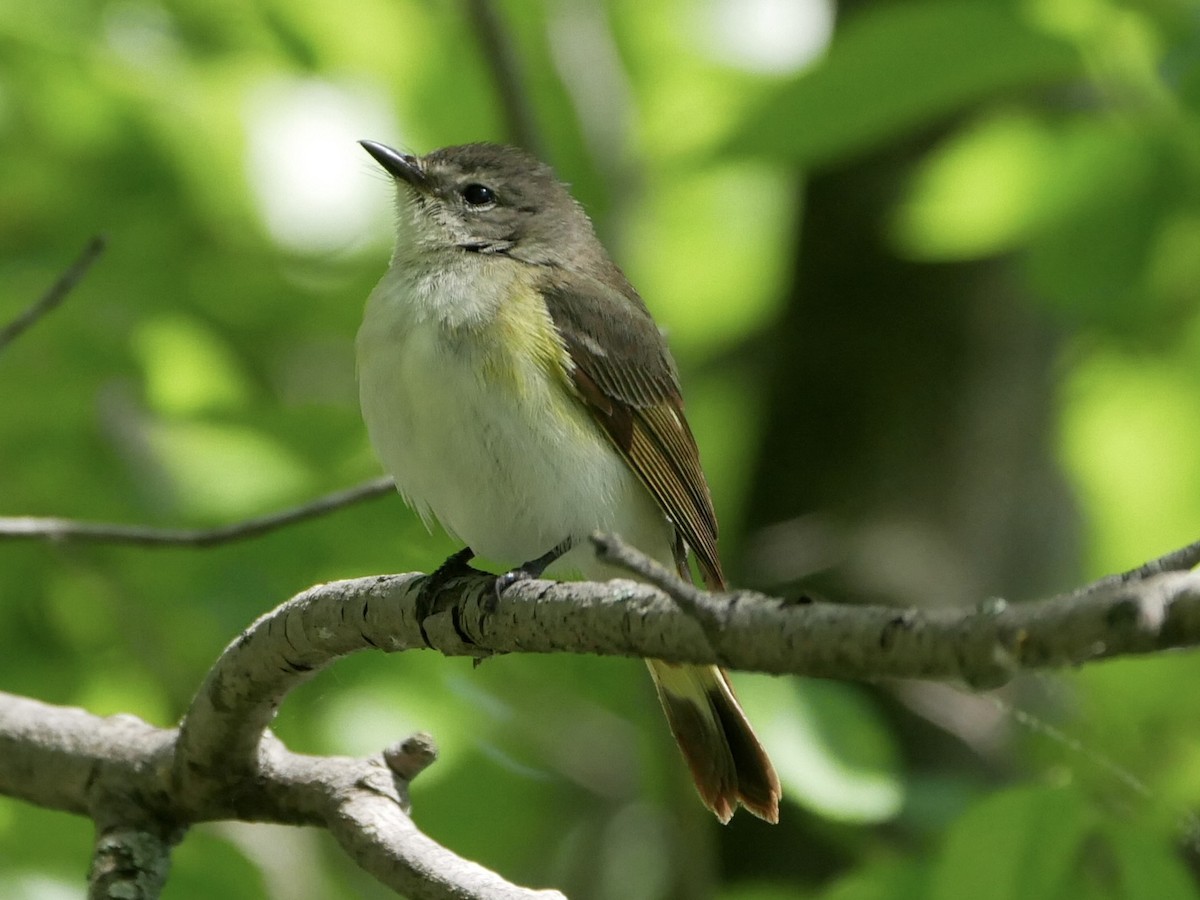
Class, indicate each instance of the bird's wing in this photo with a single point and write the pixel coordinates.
(629, 384)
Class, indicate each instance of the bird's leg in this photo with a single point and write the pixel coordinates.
(456, 566)
(532, 569)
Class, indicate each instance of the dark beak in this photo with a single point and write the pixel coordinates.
(401, 165)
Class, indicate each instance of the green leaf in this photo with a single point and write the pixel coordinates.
(221, 471)
(896, 67)
(1093, 261)
(1131, 433)
(980, 192)
(188, 368)
(1149, 867)
(833, 752)
(1012, 846)
(888, 880)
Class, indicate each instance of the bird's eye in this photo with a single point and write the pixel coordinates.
(478, 195)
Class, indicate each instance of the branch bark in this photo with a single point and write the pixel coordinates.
(121, 772)
(143, 785)
(1151, 608)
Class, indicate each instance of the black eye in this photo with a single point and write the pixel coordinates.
(478, 195)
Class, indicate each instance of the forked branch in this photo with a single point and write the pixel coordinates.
(143, 786)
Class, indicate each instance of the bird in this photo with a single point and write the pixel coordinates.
(516, 387)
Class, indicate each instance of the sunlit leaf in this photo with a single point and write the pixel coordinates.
(980, 193)
(225, 471)
(187, 369)
(1130, 434)
(830, 748)
(895, 67)
(709, 252)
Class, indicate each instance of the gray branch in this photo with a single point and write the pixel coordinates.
(130, 862)
(1152, 608)
(58, 530)
(55, 294)
(120, 772)
(143, 785)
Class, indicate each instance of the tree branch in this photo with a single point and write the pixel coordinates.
(220, 734)
(62, 530)
(119, 771)
(144, 785)
(130, 863)
(56, 294)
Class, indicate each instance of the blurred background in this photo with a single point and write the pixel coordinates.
(930, 270)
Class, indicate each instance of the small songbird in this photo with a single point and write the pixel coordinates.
(515, 386)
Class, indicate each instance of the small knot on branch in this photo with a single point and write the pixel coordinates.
(411, 756)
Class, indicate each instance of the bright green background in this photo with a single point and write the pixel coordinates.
(203, 373)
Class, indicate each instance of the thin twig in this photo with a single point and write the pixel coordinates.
(703, 606)
(1176, 561)
(501, 58)
(1180, 560)
(50, 529)
(55, 295)
(611, 549)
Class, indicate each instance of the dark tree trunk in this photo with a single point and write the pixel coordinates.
(909, 448)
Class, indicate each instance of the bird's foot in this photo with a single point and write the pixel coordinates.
(530, 570)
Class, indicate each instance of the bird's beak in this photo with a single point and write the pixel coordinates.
(401, 165)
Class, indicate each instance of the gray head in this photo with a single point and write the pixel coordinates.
(488, 198)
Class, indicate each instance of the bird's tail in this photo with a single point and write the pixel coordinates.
(728, 763)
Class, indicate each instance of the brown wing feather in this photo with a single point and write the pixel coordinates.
(630, 385)
(663, 453)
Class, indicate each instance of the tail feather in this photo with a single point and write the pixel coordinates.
(728, 764)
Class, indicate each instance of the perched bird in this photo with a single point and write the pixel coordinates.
(515, 386)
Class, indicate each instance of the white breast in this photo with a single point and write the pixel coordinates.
(511, 473)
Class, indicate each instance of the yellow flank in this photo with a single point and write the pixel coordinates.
(524, 348)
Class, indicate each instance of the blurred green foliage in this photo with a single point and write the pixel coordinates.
(203, 372)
